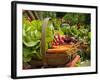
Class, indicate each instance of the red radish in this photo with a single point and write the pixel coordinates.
(61, 41)
(55, 37)
(53, 43)
(59, 37)
(56, 43)
(63, 38)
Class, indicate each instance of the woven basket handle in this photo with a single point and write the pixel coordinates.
(43, 45)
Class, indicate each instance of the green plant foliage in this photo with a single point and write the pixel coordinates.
(76, 25)
(32, 39)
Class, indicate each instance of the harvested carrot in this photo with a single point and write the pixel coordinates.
(68, 45)
(73, 62)
(62, 46)
(55, 47)
(59, 50)
(68, 64)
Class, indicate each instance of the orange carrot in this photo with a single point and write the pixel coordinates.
(58, 50)
(73, 62)
(62, 46)
(58, 47)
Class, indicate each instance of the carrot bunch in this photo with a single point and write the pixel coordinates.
(73, 62)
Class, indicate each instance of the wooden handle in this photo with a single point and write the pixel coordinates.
(43, 45)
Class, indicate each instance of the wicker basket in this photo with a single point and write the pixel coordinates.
(49, 59)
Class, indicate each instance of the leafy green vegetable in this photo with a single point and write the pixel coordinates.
(31, 44)
(32, 39)
(77, 18)
(26, 54)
